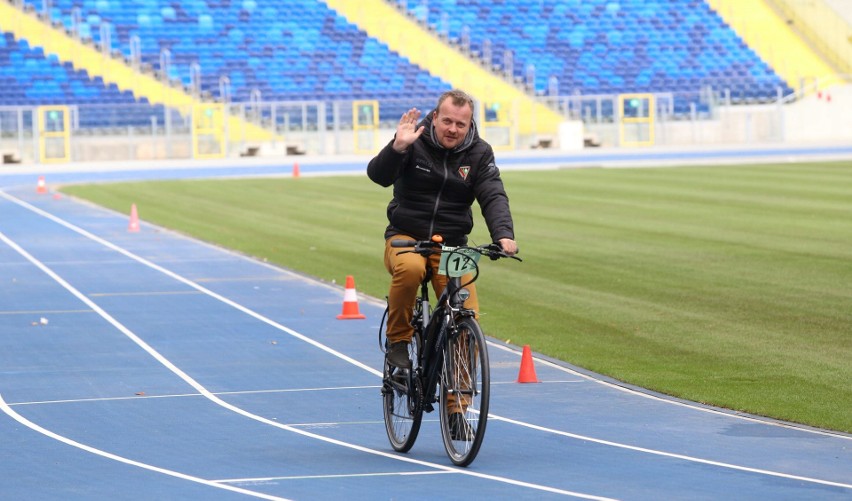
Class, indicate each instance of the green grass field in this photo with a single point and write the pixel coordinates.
(725, 285)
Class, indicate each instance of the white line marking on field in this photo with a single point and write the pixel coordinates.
(185, 395)
(144, 293)
(670, 454)
(73, 443)
(669, 400)
(346, 475)
(43, 312)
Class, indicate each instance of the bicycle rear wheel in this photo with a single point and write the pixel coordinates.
(465, 392)
(401, 397)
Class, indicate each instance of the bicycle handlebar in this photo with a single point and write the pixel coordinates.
(425, 247)
(403, 243)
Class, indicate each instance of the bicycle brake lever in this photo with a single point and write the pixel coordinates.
(496, 252)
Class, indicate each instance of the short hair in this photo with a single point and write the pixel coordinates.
(458, 98)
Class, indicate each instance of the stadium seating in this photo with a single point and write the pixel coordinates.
(27, 77)
(606, 46)
(301, 50)
(285, 49)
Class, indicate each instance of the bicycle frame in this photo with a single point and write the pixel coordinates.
(435, 331)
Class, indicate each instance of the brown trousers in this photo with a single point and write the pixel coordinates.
(407, 272)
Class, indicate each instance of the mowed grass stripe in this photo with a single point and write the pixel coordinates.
(728, 285)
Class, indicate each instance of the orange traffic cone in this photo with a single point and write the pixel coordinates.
(527, 372)
(41, 187)
(350, 301)
(295, 169)
(133, 227)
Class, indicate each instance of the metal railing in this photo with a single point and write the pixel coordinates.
(144, 132)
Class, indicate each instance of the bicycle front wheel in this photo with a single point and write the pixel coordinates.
(465, 392)
(401, 402)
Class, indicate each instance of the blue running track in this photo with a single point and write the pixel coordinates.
(153, 366)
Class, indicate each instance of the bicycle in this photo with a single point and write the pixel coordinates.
(449, 358)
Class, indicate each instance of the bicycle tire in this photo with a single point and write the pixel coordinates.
(401, 402)
(465, 383)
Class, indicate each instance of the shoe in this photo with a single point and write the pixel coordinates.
(397, 355)
(460, 429)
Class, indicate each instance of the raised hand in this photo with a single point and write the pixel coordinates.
(407, 131)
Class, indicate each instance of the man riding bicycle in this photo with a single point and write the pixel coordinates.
(437, 167)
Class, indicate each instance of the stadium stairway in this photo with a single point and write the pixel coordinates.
(767, 34)
(382, 21)
(38, 32)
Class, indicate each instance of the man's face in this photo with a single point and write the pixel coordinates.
(452, 123)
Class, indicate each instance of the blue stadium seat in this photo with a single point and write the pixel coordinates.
(37, 79)
(604, 45)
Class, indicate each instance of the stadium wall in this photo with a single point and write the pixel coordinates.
(821, 117)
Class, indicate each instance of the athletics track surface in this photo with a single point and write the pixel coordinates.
(166, 368)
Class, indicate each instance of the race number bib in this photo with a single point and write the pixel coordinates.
(456, 262)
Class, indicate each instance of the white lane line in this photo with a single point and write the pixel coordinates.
(688, 405)
(73, 443)
(321, 477)
(670, 454)
(43, 312)
(184, 395)
(215, 399)
(143, 293)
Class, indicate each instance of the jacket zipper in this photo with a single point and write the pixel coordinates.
(438, 198)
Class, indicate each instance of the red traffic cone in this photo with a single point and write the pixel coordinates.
(350, 301)
(527, 372)
(133, 227)
(41, 187)
(295, 169)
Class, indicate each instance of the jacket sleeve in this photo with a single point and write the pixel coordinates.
(492, 199)
(385, 167)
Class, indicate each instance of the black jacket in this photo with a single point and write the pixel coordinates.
(434, 188)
